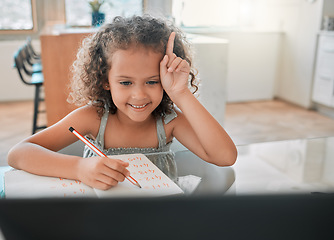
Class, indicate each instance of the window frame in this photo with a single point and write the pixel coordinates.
(23, 31)
(143, 7)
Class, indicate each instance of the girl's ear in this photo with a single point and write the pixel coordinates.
(106, 86)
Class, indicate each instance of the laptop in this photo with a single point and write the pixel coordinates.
(201, 217)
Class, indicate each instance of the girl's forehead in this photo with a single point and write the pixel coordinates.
(133, 46)
(134, 52)
(135, 62)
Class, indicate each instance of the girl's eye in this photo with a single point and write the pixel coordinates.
(125, 83)
(152, 82)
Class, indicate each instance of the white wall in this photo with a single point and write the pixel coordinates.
(275, 56)
(210, 59)
(328, 9)
(302, 24)
(158, 8)
(252, 64)
(11, 86)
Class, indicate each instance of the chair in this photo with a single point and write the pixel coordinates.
(31, 65)
(33, 53)
(35, 64)
(33, 58)
(30, 77)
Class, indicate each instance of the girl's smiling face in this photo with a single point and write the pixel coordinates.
(134, 82)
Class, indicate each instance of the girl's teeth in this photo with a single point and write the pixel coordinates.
(138, 106)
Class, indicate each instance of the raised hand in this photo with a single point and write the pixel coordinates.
(174, 71)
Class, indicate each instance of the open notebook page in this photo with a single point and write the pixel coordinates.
(20, 184)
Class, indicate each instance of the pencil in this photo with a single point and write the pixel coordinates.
(98, 152)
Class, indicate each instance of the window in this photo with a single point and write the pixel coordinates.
(233, 14)
(78, 12)
(210, 13)
(17, 15)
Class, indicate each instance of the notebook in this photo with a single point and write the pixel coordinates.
(21, 184)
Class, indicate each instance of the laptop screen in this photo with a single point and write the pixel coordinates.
(226, 217)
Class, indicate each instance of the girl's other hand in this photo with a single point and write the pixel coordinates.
(174, 71)
(101, 172)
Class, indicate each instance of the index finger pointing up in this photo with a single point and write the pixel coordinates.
(170, 45)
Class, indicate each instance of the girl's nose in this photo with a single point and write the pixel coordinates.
(139, 92)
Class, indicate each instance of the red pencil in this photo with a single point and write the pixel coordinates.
(98, 151)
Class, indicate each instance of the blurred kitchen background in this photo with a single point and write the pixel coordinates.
(266, 66)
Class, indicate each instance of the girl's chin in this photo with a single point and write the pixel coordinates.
(138, 117)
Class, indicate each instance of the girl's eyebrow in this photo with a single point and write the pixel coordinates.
(121, 76)
(128, 77)
(155, 76)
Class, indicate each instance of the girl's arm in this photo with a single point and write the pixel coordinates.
(195, 127)
(38, 153)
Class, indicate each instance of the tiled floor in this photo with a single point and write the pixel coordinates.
(15, 125)
(264, 121)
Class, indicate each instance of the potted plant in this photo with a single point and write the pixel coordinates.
(97, 16)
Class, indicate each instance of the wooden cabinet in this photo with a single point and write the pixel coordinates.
(58, 53)
(323, 89)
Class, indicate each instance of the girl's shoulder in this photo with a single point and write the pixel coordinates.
(172, 120)
(85, 118)
(179, 121)
(87, 111)
(175, 116)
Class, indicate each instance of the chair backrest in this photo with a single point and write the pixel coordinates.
(31, 50)
(26, 66)
(29, 57)
(19, 64)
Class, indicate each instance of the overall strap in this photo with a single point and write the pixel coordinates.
(160, 127)
(103, 124)
(170, 117)
(161, 133)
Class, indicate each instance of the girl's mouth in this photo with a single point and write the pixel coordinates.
(138, 106)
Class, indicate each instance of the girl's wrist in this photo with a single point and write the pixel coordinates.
(77, 167)
(181, 97)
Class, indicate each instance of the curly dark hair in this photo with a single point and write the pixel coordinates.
(93, 62)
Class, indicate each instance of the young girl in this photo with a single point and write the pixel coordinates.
(130, 74)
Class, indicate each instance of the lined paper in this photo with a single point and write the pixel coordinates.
(21, 184)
